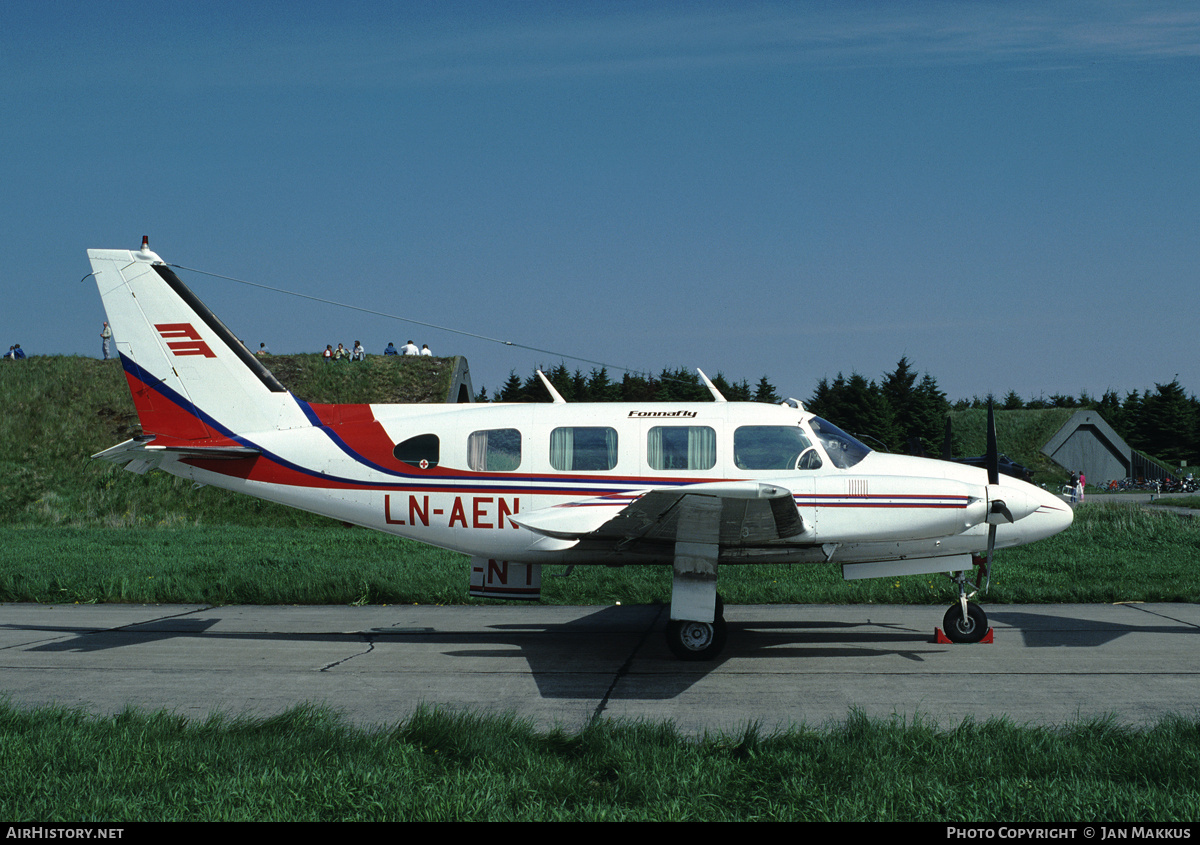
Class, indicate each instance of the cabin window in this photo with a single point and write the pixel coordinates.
(421, 451)
(674, 447)
(768, 446)
(494, 450)
(583, 448)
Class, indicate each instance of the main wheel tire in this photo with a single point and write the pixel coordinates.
(696, 640)
(969, 630)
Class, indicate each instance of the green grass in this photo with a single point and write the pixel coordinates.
(1192, 502)
(1111, 553)
(309, 765)
(225, 565)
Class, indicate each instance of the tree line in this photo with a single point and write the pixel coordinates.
(903, 411)
(679, 385)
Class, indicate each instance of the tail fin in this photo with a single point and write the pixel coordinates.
(193, 382)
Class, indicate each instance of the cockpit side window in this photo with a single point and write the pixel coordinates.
(811, 459)
(769, 446)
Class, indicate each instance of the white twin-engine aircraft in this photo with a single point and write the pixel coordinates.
(690, 485)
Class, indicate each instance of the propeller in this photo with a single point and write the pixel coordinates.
(997, 506)
(993, 454)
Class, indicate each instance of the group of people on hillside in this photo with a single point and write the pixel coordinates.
(409, 348)
(359, 354)
(15, 353)
(344, 354)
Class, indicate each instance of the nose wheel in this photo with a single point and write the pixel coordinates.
(965, 623)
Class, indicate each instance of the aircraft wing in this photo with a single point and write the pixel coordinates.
(140, 456)
(740, 513)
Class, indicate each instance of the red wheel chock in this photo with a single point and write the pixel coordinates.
(942, 639)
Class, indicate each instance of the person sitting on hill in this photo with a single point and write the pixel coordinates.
(359, 354)
(391, 350)
(410, 348)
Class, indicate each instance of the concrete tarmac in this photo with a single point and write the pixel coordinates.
(563, 666)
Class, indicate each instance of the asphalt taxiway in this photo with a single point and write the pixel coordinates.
(783, 665)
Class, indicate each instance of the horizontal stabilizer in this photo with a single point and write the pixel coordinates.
(142, 455)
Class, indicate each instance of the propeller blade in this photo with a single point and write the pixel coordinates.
(947, 442)
(993, 454)
(993, 470)
(991, 548)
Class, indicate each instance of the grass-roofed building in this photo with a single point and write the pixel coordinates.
(1054, 442)
(1087, 442)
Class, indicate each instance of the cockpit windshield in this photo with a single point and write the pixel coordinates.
(844, 450)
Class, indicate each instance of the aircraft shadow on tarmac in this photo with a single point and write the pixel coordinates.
(1064, 631)
(583, 656)
(579, 658)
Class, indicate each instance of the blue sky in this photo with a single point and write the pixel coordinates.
(1007, 193)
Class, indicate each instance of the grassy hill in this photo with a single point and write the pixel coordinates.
(376, 380)
(1019, 434)
(61, 410)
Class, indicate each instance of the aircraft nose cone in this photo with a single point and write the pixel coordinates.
(1052, 516)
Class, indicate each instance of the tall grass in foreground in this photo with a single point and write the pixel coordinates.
(309, 765)
(1111, 553)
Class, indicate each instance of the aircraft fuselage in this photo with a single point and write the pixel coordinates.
(352, 466)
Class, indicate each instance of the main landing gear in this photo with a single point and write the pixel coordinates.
(690, 640)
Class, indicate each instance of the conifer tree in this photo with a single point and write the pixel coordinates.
(765, 392)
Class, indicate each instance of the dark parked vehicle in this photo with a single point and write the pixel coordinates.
(1007, 466)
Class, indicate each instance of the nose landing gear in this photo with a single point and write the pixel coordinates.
(965, 622)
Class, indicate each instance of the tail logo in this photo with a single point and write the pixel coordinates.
(191, 344)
